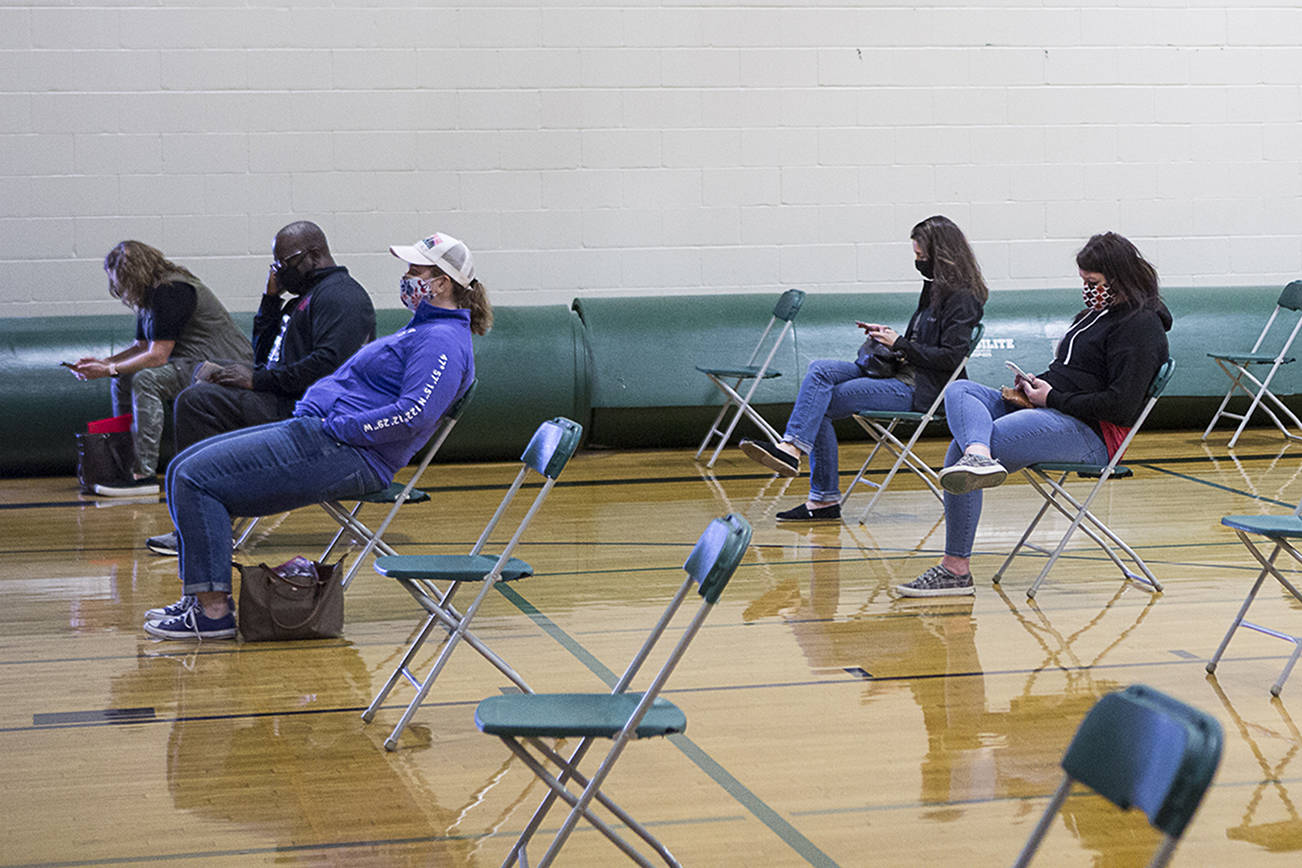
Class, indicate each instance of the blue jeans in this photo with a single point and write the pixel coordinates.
(1017, 438)
(254, 471)
(831, 390)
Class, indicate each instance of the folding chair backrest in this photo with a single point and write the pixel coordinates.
(1291, 297)
(716, 555)
(552, 446)
(1155, 389)
(788, 305)
(549, 450)
(1140, 748)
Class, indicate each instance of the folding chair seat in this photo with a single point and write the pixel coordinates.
(1140, 748)
(1279, 530)
(523, 720)
(1055, 494)
(880, 426)
(549, 450)
(395, 494)
(1237, 366)
(729, 379)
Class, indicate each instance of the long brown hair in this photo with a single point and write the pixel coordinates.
(473, 298)
(134, 268)
(954, 264)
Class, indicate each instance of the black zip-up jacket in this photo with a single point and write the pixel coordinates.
(1105, 363)
(936, 341)
(329, 322)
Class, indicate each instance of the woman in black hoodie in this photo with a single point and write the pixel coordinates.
(932, 346)
(1079, 410)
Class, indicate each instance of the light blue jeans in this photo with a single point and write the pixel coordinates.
(254, 471)
(832, 390)
(1017, 438)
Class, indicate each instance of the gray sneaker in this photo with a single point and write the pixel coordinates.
(972, 472)
(938, 582)
(163, 544)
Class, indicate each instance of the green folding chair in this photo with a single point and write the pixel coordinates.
(1238, 367)
(1279, 530)
(1055, 494)
(1139, 748)
(549, 450)
(880, 426)
(729, 379)
(395, 494)
(522, 721)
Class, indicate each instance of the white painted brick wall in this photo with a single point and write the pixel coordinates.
(624, 146)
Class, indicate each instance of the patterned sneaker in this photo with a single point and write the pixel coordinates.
(164, 544)
(771, 457)
(972, 472)
(193, 624)
(938, 582)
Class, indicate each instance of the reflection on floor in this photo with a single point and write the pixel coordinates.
(829, 721)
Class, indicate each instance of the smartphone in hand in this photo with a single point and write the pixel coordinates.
(67, 364)
(1018, 372)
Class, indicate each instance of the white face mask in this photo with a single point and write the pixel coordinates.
(414, 290)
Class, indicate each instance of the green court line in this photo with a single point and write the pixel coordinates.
(1216, 485)
(761, 811)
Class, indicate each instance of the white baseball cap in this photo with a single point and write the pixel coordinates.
(447, 253)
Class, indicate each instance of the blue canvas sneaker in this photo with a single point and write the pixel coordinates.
(193, 624)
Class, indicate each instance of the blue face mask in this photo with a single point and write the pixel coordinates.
(414, 290)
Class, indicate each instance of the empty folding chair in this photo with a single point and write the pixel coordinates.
(548, 452)
(1055, 495)
(758, 368)
(396, 494)
(1237, 366)
(881, 424)
(1139, 748)
(1279, 530)
(522, 721)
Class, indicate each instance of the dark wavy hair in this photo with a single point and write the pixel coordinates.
(1131, 277)
(134, 268)
(954, 264)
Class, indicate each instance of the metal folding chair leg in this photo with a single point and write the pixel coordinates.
(1267, 568)
(1081, 518)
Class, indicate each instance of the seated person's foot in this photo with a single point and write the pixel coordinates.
(180, 607)
(938, 582)
(129, 487)
(971, 472)
(163, 544)
(771, 456)
(804, 513)
(194, 624)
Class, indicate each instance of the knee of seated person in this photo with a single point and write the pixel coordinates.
(146, 380)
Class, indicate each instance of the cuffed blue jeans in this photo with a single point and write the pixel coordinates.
(1016, 438)
(833, 390)
(254, 471)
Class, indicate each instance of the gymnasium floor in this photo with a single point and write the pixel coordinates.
(829, 722)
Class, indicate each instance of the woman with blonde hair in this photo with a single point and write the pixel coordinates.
(179, 323)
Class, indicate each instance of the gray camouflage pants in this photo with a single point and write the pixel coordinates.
(146, 395)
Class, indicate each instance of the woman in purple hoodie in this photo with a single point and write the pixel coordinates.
(349, 435)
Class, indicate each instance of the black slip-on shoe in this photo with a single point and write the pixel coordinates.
(771, 457)
(804, 513)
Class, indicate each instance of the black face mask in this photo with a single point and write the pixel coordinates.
(291, 280)
(924, 268)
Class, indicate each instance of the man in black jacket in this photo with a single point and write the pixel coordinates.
(297, 340)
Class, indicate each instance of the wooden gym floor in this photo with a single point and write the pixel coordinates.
(829, 722)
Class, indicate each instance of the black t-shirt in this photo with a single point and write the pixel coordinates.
(170, 308)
